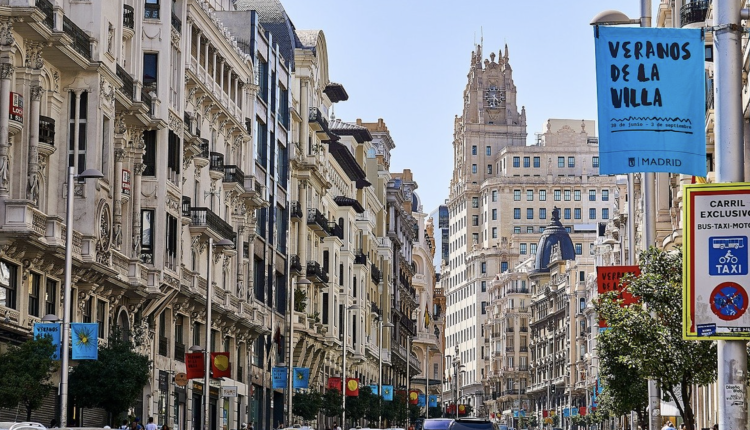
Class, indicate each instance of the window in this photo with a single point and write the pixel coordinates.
(34, 285)
(541, 229)
(526, 162)
(171, 246)
(577, 195)
(579, 249)
(529, 213)
(537, 162)
(261, 143)
(542, 195)
(516, 161)
(542, 213)
(532, 248)
(79, 163)
(566, 213)
(475, 238)
(101, 314)
(592, 213)
(483, 267)
(558, 195)
(489, 169)
(516, 195)
(560, 162)
(147, 236)
(567, 195)
(494, 232)
(284, 107)
(592, 195)
(475, 202)
(577, 213)
(488, 150)
(473, 150)
(50, 297)
(517, 230)
(484, 286)
(494, 195)
(150, 69)
(174, 150)
(473, 168)
(484, 308)
(571, 161)
(263, 79)
(529, 195)
(475, 220)
(522, 249)
(605, 195)
(529, 229)
(503, 266)
(152, 9)
(595, 161)
(8, 284)
(605, 213)
(149, 156)
(494, 214)
(516, 213)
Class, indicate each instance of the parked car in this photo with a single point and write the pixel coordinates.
(21, 426)
(473, 424)
(437, 423)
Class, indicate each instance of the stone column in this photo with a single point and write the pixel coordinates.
(32, 191)
(221, 73)
(304, 107)
(205, 58)
(117, 212)
(6, 73)
(197, 48)
(76, 127)
(214, 58)
(302, 232)
(136, 198)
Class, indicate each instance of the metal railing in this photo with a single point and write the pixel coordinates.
(146, 99)
(695, 11)
(179, 352)
(127, 82)
(409, 325)
(176, 23)
(151, 11)
(233, 174)
(374, 308)
(360, 257)
(295, 210)
(205, 217)
(46, 130)
(186, 206)
(315, 217)
(81, 42)
(204, 149)
(128, 16)
(295, 265)
(375, 273)
(49, 12)
(336, 230)
(317, 117)
(315, 271)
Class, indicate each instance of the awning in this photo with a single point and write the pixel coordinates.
(346, 201)
(667, 409)
(347, 161)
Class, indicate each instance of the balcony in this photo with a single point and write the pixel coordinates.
(81, 42)
(127, 82)
(360, 257)
(375, 273)
(204, 149)
(47, 130)
(146, 99)
(163, 345)
(316, 119)
(233, 174)
(295, 210)
(509, 329)
(49, 12)
(524, 329)
(409, 325)
(524, 349)
(179, 352)
(509, 348)
(186, 206)
(316, 273)
(374, 308)
(204, 220)
(317, 221)
(128, 17)
(295, 265)
(216, 162)
(693, 12)
(176, 23)
(336, 230)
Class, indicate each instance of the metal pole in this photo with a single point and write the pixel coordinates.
(408, 378)
(290, 309)
(732, 356)
(66, 301)
(209, 297)
(426, 383)
(380, 368)
(455, 375)
(343, 366)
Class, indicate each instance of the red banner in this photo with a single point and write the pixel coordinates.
(414, 397)
(451, 409)
(220, 366)
(352, 387)
(608, 279)
(334, 383)
(582, 411)
(462, 409)
(545, 413)
(195, 366)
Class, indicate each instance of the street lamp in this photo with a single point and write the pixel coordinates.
(408, 378)
(86, 174)
(223, 243)
(380, 362)
(428, 348)
(343, 365)
(290, 309)
(518, 384)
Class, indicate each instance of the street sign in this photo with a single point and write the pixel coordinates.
(715, 262)
(229, 391)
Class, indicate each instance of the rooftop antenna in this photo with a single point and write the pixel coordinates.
(481, 37)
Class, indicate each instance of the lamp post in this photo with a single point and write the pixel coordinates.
(86, 174)
(427, 381)
(343, 364)
(290, 310)
(223, 243)
(408, 378)
(380, 363)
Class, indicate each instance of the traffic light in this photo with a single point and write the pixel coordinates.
(552, 389)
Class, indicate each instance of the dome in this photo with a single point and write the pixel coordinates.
(553, 235)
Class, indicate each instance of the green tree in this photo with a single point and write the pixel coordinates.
(307, 405)
(331, 404)
(356, 406)
(114, 381)
(436, 412)
(625, 389)
(26, 371)
(653, 344)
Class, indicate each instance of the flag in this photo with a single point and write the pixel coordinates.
(413, 397)
(52, 330)
(220, 366)
(301, 377)
(85, 341)
(196, 367)
(334, 383)
(462, 409)
(352, 387)
(582, 411)
(451, 409)
(374, 389)
(545, 413)
(421, 401)
(278, 377)
(433, 401)
(426, 316)
(388, 392)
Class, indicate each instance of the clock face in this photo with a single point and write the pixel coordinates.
(493, 96)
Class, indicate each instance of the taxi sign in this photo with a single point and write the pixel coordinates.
(716, 278)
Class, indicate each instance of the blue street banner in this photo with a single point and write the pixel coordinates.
(85, 341)
(301, 377)
(651, 95)
(52, 330)
(421, 400)
(388, 392)
(278, 378)
(374, 389)
(433, 401)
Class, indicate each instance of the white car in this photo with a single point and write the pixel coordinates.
(21, 426)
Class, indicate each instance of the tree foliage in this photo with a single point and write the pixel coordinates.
(114, 381)
(26, 371)
(331, 403)
(307, 405)
(652, 346)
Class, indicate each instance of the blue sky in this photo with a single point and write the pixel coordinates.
(407, 61)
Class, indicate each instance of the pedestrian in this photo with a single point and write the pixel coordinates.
(243, 426)
(716, 427)
(53, 424)
(336, 426)
(165, 427)
(252, 426)
(124, 425)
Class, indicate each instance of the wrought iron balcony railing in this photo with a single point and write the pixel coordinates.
(128, 16)
(47, 130)
(233, 174)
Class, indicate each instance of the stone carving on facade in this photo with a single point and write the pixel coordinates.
(187, 158)
(208, 108)
(222, 124)
(6, 32)
(120, 126)
(56, 81)
(190, 94)
(215, 117)
(107, 91)
(32, 190)
(173, 204)
(34, 55)
(6, 70)
(171, 281)
(110, 36)
(199, 102)
(175, 124)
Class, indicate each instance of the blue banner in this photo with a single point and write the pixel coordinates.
(278, 378)
(85, 341)
(374, 389)
(651, 95)
(52, 330)
(421, 400)
(301, 377)
(433, 401)
(388, 392)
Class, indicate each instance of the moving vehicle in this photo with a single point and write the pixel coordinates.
(473, 424)
(437, 423)
(21, 426)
